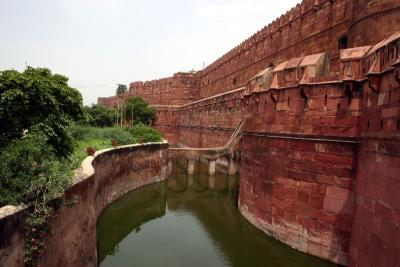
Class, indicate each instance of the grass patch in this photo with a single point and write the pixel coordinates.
(101, 138)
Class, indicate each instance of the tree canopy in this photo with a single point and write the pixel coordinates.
(37, 100)
(122, 88)
(100, 116)
(138, 110)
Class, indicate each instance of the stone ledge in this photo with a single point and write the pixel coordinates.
(85, 171)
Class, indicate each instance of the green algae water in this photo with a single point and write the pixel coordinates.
(189, 220)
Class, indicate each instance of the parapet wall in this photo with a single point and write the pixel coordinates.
(180, 89)
(318, 152)
(72, 241)
(320, 146)
(376, 230)
(310, 27)
(298, 162)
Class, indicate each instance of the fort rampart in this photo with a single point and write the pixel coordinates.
(320, 150)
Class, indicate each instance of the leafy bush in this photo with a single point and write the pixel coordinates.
(137, 133)
(100, 116)
(30, 170)
(138, 111)
(145, 134)
(121, 135)
(38, 98)
(100, 138)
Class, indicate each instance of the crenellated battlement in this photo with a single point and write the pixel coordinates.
(301, 96)
(311, 27)
(319, 154)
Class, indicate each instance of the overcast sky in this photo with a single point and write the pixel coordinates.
(99, 43)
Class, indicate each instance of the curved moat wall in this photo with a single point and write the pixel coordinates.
(72, 241)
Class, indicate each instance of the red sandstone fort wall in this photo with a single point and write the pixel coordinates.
(180, 89)
(204, 123)
(210, 122)
(376, 230)
(318, 159)
(319, 156)
(311, 27)
(298, 165)
(167, 123)
(372, 21)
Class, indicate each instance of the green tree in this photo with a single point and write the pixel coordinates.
(100, 116)
(138, 110)
(121, 89)
(38, 99)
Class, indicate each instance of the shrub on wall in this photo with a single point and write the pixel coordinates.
(100, 138)
(31, 171)
(123, 136)
(145, 134)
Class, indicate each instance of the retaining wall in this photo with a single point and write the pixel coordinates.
(72, 241)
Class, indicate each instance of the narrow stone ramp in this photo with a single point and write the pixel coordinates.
(211, 153)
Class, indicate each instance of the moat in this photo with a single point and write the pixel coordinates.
(189, 220)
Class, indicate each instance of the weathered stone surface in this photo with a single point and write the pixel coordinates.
(72, 241)
(319, 158)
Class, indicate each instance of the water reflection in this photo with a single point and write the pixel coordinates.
(188, 221)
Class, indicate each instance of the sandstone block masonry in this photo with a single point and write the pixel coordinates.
(320, 150)
(310, 27)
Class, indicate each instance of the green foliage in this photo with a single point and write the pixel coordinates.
(80, 149)
(36, 98)
(100, 116)
(145, 134)
(30, 171)
(122, 88)
(138, 110)
(36, 226)
(101, 138)
(121, 135)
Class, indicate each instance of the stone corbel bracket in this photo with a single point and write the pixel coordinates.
(373, 82)
(255, 98)
(305, 94)
(274, 97)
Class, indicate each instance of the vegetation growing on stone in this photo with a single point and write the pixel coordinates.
(39, 148)
(31, 171)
